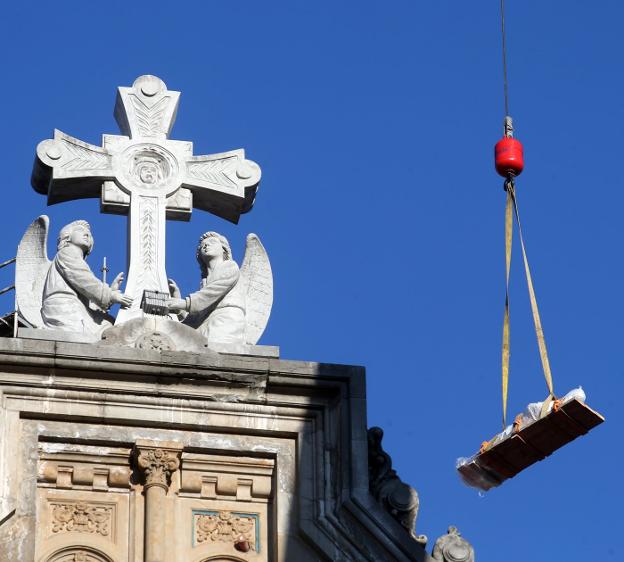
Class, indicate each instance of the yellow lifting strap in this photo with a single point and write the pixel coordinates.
(511, 208)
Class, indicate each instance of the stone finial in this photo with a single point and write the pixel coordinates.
(399, 498)
(452, 547)
(157, 461)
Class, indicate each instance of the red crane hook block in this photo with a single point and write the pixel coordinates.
(509, 157)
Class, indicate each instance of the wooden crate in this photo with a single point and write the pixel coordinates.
(531, 444)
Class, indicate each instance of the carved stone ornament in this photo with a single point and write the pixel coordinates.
(452, 547)
(148, 176)
(156, 341)
(62, 294)
(232, 305)
(81, 518)
(237, 529)
(399, 498)
(157, 333)
(158, 465)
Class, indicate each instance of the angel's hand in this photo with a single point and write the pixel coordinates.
(120, 298)
(176, 305)
(117, 282)
(174, 290)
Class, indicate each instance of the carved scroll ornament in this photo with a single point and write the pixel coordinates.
(226, 527)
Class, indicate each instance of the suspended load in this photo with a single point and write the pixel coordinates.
(529, 439)
(544, 426)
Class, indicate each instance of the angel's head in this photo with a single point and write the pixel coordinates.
(212, 245)
(77, 233)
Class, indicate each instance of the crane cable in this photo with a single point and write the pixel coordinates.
(504, 44)
(511, 210)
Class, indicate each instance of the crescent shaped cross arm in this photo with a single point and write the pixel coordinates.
(223, 184)
(67, 168)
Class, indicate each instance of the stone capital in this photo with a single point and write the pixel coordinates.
(157, 461)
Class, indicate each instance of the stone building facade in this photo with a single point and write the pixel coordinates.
(111, 454)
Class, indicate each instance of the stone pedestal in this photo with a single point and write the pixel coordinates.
(129, 455)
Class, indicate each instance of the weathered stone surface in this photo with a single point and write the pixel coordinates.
(244, 349)
(399, 498)
(277, 446)
(156, 333)
(452, 547)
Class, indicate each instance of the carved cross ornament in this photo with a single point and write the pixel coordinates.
(146, 175)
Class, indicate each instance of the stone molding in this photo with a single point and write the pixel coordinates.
(78, 554)
(83, 467)
(228, 478)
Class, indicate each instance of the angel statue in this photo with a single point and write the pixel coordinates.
(63, 294)
(232, 305)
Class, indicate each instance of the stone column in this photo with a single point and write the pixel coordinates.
(157, 460)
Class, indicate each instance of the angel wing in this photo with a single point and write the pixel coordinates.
(256, 278)
(31, 268)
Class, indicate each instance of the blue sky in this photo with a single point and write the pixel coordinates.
(374, 124)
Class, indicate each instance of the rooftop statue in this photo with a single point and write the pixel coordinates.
(64, 294)
(231, 305)
(151, 178)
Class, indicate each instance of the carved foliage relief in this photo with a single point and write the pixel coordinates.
(226, 527)
(221, 172)
(83, 158)
(158, 464)
(149, 120)
(82, 517)
(148, 275)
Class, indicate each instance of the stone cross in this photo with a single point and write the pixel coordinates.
(146, 175)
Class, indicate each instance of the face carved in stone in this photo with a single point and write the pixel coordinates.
(81, 237)
(210, 248)
(148, 171)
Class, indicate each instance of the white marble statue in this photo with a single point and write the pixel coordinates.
(63, 294)
(148, 176)
(232, 305)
